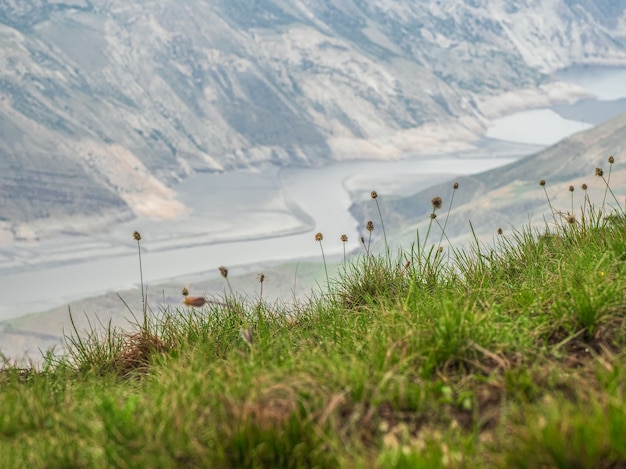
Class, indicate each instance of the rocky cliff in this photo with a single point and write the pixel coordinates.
(105, 104)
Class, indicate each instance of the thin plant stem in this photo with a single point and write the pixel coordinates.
(318, 238)
(344, 240)
(608, 188)
(383, 226)
(430, 224)
(261, 279)
(224, 272)
(443, 234)
(445, 223)
(137, 237)
(549, 203)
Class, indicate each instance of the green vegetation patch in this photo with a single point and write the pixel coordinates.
(509, 355)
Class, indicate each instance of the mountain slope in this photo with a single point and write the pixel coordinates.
(105, 104)
(511, 195)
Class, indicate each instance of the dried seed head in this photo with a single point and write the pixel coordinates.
(362, 240)
(344, 238)
(571, 188)
(542, 182)
(195, 301)
(611, 159)
(374, 194)
(223, 271)
(599, 172)
(437, 202)
(455, 186)
(571, 219)
(319, 236)
(136, 236)
(584, 187)
(261, 278)
(433, 216)
(499, 231)
(440, 249)
(370, 226)
(407, 265)
(185, 291)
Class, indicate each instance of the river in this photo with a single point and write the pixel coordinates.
(272, 215)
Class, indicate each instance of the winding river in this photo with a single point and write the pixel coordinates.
(272, 215)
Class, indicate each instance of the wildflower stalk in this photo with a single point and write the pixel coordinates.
(137, 237)
(369, 227)
(542, 183)
(344, 240)
(224, 272)
(367, 253)
(607, 181)
(261, 280)
(585, 201)
(436, 203)
(455, 186)
(374, 196)
(319, 237)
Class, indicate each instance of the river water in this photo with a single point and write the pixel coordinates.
(243, 219)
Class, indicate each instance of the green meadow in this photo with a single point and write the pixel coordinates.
(508, 354)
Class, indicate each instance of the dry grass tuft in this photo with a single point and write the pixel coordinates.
(137, 352)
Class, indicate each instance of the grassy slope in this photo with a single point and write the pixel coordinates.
(504, 356)
(42, 331)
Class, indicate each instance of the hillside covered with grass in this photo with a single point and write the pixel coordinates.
(502, 355)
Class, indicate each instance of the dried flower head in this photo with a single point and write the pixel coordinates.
(611, 159)
(584, 187)
(195, 301)
(437, 202)
(344, 238)
(261, 278)
(599, 172)
(571, 219)
(185, 291)
(542, 182)
(440, 249)
(136, 235)
(499, 231)
(224, 271)
(374, 194)
(407, 265)
(571, 188)
(433, 216)
(319, 236)
(455, 186)
(362, 240)
(370, 226)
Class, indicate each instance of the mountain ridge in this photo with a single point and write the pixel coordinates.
(105, 105)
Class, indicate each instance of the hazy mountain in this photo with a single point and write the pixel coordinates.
(104, 104)
(510, 196)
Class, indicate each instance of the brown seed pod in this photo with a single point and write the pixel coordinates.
(195, 301)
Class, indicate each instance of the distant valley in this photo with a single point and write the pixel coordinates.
(106, 105)
(510, 197)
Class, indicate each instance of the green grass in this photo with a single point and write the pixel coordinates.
(509, 355)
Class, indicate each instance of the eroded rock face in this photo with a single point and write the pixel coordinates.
(104, 104)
